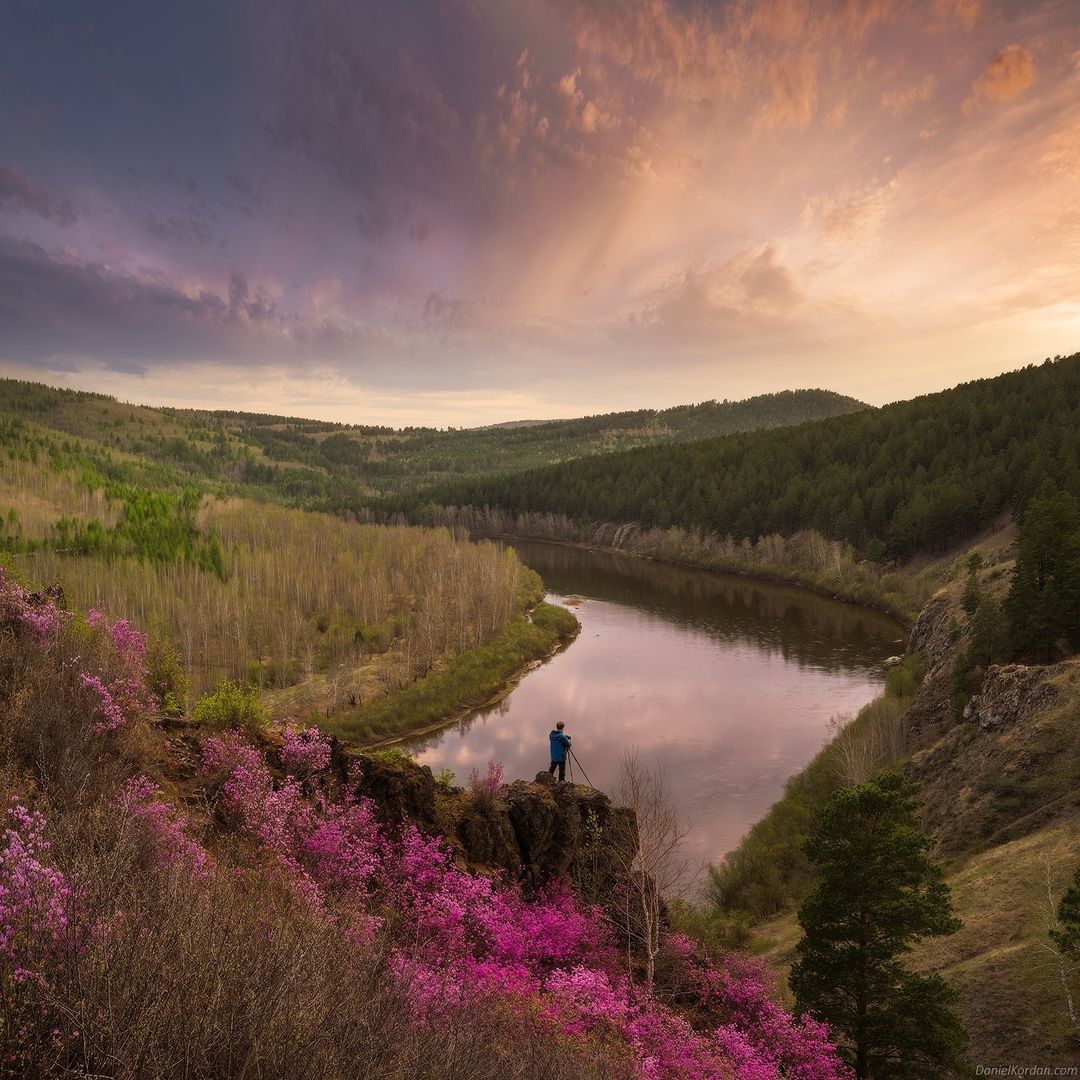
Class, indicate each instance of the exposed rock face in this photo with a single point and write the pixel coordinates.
(400, 790)
(570, 829)
(538, 830)
(933, 634)
(1009, 693)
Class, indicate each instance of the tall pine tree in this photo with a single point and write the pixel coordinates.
(1043, 604)
(879, 892)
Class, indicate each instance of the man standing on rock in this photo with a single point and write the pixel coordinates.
(560, 747)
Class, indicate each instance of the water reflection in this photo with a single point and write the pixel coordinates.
(726, 684)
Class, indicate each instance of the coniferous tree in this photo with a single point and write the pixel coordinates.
(1067, 934)
(1043, 604)
(879, 892)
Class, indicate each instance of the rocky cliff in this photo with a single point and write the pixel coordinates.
(532, 831)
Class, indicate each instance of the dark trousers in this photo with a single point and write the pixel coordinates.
(561, 766)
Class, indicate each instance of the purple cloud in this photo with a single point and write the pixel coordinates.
(18, 192)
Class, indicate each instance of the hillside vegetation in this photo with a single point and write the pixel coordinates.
(911, 477)
(995, 746)
(318, 612)
(342, 466)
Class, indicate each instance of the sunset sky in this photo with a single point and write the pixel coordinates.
(467, 211)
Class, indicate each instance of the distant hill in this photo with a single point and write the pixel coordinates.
(913, 476)
(319, 463)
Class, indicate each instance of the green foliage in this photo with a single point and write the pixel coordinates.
(1067, 933)
(374, 639)
(903, 680)
(530, 590)
(468, 680)
(986, 638)
(1043, 604)
(267, 674)
(444, 781)
(913, 476)
(390, 755)
(558, 620)
(231, 705)
(879, 892)
(716, 930)
(166, 676)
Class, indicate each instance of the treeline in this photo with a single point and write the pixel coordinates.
(832, 567)
(914, 476)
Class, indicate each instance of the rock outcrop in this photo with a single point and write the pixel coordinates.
(535, 830)
(934, 632)
(1011, 692)
(401, 791)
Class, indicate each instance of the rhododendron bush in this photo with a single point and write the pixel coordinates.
(283, 811)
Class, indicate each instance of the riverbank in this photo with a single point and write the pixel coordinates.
(903, 614)
(469, 681)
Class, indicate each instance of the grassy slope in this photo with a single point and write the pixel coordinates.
(1010, 997)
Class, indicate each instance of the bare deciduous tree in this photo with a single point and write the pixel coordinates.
(657, 869)
(862, 747)
(1064, 968)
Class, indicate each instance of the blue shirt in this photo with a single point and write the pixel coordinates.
(560, 743)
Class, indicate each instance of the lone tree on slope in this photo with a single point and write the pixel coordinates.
(878, 893)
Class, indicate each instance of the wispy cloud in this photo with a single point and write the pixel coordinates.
(575, 200)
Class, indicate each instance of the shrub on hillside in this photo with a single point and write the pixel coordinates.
(167, 677)
(231, 705)
(903, 680)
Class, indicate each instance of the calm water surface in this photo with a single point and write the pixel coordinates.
(725, 683)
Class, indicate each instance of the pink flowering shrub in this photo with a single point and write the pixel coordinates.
(120, 693)
(304, 751)
(108, 713)
(35, 899)
(490, 784)
(323, 852)
(130, 644)
(460, 938)
(164, 827)
(36, 612)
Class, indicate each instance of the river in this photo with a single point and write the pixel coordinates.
(725, 683)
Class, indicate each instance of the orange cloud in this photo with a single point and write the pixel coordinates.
(851, 215)
(794, 84)
(899, 102)
(1010, 72)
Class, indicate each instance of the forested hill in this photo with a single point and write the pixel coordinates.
(335, 466)
(915, 475)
